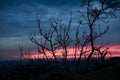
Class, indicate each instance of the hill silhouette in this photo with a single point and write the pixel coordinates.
(110, 70)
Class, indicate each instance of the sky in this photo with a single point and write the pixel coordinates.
(17, 21)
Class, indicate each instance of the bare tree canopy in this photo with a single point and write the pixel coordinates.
(62, 35)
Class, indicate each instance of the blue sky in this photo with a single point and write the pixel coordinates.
(17, 20)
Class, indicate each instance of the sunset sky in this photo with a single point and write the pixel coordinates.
(17, 21)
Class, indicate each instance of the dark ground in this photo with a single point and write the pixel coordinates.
(109, 71)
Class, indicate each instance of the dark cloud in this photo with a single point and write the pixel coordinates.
(18, 16)
(17, 19)
(8, 3)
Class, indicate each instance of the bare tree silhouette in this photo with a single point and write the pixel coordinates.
(58, 34)
(95, 13)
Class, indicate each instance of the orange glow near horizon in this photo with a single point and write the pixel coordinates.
(115, 50)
